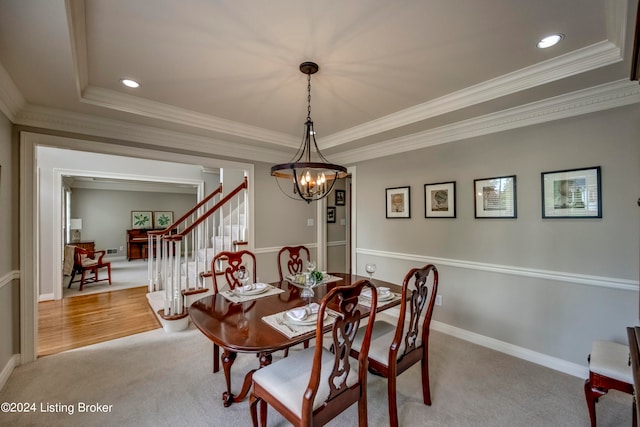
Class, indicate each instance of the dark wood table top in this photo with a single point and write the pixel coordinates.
(238, 327)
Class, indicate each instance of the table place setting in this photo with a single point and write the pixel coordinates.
(299, 320)
(385, 296)
(250, 292)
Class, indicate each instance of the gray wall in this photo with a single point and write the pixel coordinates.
(527, 282)
(279, 221)
(106, 214)
(520, 281)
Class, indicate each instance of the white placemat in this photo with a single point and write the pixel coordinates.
(278, 322)
(235, 298)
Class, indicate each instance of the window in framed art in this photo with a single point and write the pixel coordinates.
(495, 197)
(572, 193)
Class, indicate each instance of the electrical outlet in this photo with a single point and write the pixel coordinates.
(309, 222)
(438, 299)
(121, 248)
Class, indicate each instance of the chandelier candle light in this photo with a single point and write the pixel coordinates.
(312, 180)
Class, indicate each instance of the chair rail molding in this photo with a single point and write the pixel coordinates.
(582, 279)
(9, 277)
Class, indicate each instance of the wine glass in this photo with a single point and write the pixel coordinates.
(370, 268)
(311, 265)
(307, 290)
(242, 275)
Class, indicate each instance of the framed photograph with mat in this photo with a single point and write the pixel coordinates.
(440, 200)
(331, 214)
(572, 193)
(495, 197)
(141, 219)
(398, 202)
(162, 219)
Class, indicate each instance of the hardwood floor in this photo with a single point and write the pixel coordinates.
(88, 319)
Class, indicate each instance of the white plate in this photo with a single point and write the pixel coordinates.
(259, 288)
(310, 320)
(381, 297)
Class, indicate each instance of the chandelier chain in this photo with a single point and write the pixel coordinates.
(308, 96)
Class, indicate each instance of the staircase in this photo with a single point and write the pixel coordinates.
(179, 265)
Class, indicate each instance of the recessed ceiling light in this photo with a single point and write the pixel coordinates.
(130, 83)
(549, 41)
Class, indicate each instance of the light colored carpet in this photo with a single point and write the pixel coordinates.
(124, 275)
(160, 379)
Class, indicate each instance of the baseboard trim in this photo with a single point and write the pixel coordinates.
(513, 350)
(8, 369)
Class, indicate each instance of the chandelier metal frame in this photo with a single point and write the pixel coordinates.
(313, 177)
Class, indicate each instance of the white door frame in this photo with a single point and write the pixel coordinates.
(30, 220)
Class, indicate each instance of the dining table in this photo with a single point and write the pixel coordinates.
(256, 323)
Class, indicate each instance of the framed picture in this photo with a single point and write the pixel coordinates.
(398, 202)
(574, 193)
(339, 197)
(440, 200)
(162, 219)
(495, 197)
(141, 219)
(331, 214)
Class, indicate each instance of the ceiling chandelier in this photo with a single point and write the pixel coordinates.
(313, 177)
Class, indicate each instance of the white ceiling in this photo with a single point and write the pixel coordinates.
(222, 75)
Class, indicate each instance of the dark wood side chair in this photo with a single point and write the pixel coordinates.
(293, 259)
(397, 347)
(314, 385)
(633, 334)
(85, 261)
(609, 369)
(224, 265)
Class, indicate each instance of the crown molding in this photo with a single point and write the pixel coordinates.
(167, 113)
(580, 61)
(11, 100)
(603, 97)
(77, 23)
(610, 95)
(66, 121)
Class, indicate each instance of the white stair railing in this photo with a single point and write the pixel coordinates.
(182, 253)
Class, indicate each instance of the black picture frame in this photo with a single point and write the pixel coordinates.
(495, 197)
(572, 193)
(440, 200)
(398, 202)
(331, 214)
(340, 197)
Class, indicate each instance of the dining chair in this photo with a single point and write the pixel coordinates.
(609, 369)
(396, 347)
(633, 336)
(314, 385)
(226, 264)
(86, 261)
(294, 259)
